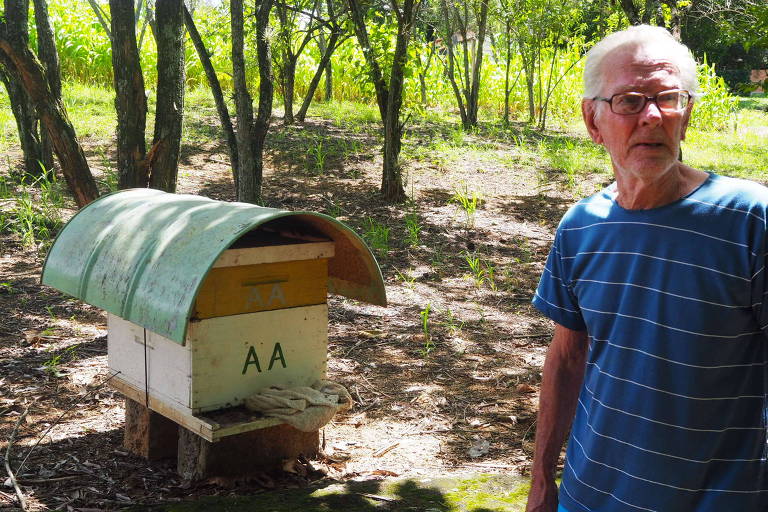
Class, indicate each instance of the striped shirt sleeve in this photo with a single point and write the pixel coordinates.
(554, 296)
(759, 285)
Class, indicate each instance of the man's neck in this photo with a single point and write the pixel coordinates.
(636, 193)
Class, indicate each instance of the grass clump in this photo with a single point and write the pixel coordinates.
(377, 235)
(468, 201)
(29, 209)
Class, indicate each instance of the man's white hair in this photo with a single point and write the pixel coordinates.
(638, 35)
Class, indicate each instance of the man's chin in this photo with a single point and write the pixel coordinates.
(649, 167)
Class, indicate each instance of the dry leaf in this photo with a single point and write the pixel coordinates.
(525, 388)
(384, 472)
(373, 334)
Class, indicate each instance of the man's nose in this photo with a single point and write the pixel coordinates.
(651, 114)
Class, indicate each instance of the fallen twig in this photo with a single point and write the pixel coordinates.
(14, 483)
(386, 449)
(61, 416)
(375, 497)
(48, 480)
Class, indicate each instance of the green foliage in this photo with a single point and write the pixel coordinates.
(468, 201)
(740, 153)
(412, 229)
(34, 212)
(717, 107)
(316, 156)
(451, 323)
(429, 344)
(482, 271)
(85, 53)
(377, 235)
(52, 366)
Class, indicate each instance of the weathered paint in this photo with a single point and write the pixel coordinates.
(225, 359)
(143, 254)
(252, 288)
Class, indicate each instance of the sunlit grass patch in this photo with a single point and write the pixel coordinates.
(346, 113)
(91, 108)
(742, 153)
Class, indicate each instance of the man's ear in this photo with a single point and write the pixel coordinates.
(589, 113)
(686, 118)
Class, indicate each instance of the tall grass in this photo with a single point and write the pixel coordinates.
(85, 55)
(29, 209)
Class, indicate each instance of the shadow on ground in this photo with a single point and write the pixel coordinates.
(479, 493)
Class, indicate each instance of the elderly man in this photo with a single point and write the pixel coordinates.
(656, 287)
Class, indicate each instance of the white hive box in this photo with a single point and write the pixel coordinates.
(260, 320)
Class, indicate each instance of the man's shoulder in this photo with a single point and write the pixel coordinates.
(590, 209)
(734, 194)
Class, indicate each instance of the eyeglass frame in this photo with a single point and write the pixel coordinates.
(646, 99)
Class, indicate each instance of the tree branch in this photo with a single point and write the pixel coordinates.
(19, 494)
(101, 17)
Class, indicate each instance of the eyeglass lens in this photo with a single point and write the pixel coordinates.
(634, 102)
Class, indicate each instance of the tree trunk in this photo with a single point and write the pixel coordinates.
(46, 50)
(325, 65)
(507, 63)
(288, 86)
(266, 93)
(218, 95)
(244, 107)
(17, 35)
(474, 91)
(389, 96)
(130, 100)
(25, 68)
(448, 31)
(529, 70)
(392, 179)
(251, 134)
(374, 69)
(631, 11)
(169, 110)
(26, 123)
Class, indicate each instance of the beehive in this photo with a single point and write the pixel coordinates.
(209, 302)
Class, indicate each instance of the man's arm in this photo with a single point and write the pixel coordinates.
(560, 387)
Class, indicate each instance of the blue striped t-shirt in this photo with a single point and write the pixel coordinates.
(672, 413)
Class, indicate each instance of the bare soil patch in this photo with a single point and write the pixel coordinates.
(466, 405)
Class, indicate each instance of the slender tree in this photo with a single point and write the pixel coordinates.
(169, 107)
(389, 90)
(458, 20)
(46, 51)
(251, 133)
(130, 99)
(218, 96)
(327, 47)
(17, 36)
(293, 35)
(21, 66)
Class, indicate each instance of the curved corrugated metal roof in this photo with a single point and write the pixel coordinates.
(142, 254)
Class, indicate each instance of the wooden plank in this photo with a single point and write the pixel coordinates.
(274, 254)
(222, 424)
(196, 424)
(252, 288)
(234, 357)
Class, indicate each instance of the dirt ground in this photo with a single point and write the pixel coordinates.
(467, 405)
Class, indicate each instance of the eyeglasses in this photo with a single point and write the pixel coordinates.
(627, 103)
